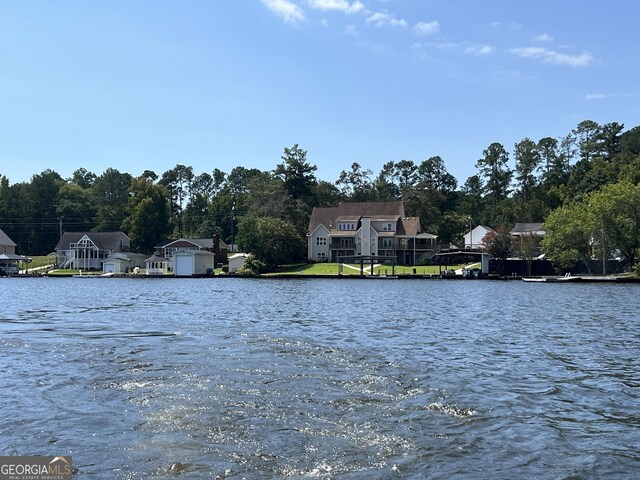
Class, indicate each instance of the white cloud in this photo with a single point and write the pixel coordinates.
(509, 25)
(384, 19)
(597, 96)
(426, 28)
(342, 5)
(479, 49)
(554, 57)
(602, 96)
(288, 11)
(543, 38)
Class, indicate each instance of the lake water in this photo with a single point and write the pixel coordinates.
(357, 379)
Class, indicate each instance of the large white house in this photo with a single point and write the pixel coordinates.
(367, 228)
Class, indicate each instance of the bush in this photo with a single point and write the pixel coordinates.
(252, 267)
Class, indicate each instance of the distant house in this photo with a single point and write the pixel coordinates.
(214, 245)
(157, 265)
(88, 250)
(236, 261)
(533, 230)
(123, 262)
(190, 263)
(9, 261)
(367, 228)
(6, 244)
(474, 239)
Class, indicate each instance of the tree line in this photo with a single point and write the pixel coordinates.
(539, 181)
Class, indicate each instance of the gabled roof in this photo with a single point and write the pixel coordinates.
(327, 216)
(102, 240)
(156, 258)
(193, 252)
(5, 240)
(206, 243)
(526, 228)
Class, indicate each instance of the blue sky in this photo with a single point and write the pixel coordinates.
(146, 85)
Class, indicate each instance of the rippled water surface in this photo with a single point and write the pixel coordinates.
(358, 379)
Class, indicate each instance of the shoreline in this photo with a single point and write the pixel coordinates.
(584, 279)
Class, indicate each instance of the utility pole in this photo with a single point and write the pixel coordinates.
(233, 220)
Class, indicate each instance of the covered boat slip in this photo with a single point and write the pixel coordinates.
(10, 263)
(446, 259)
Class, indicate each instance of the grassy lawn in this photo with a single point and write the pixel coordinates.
(40, 261)
(332, 269)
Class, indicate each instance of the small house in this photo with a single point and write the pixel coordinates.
(474, 239)
(123, 262)
(157, 265)
(236, 261)
(9, 261)
(193, 263)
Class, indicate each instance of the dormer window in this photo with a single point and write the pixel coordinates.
(387, 227)
(346, 226)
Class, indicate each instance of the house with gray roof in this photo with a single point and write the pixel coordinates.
(7, 245)
(531, 232)
(367, 228)
(88, 250)
(215, 245)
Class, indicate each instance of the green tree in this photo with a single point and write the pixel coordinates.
(355, 185)
(527, 248)
(40, 205)
(326, 194)
(271, 240)
(111, 195)
(567, 240)
(296, 173)
(493, 167)
(587, 135)
(75, 207)
(498, 244)
(385, 186)
(148, 215)
(178, 182)
(83, 178)
(609, 140)
(527, 160)
(630, 141)
(616, 219)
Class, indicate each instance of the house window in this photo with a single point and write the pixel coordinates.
(321, 256)
(321, 241)
(387, 227)
(387, 243)
(346, 243)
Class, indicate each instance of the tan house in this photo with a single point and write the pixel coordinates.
(6, 244)
(379, 229)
